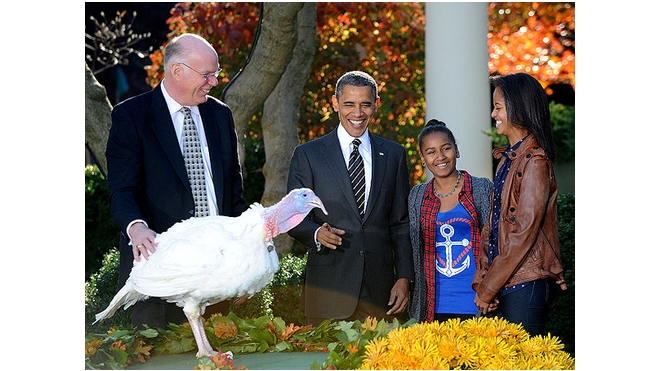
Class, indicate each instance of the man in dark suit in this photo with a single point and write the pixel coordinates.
(358, 265)
(149, 184)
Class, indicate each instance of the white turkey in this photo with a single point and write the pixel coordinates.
(202, 261)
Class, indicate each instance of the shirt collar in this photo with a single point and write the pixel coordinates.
(174, 106)
(345, 140)
(515, 146)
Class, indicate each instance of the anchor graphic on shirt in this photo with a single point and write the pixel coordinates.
(447, 231)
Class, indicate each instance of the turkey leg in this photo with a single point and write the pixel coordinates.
(197, 326)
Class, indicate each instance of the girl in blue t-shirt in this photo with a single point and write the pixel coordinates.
(446, 216)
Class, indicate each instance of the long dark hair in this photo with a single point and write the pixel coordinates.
(527, 107)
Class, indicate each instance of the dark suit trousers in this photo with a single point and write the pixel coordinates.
(156, 313)
(365, 307)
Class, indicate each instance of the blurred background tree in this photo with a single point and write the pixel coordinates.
(384, 39)
(537, 38)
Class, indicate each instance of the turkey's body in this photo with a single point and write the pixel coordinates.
(230, 259)
(202, 261)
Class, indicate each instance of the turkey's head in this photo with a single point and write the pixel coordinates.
(290, 211)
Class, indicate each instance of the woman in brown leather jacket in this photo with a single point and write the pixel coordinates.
(520, 246)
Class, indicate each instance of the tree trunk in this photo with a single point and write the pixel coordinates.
(281, 114)
(97, 118)
(271, 55)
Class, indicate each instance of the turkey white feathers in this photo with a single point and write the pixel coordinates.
(202, 261)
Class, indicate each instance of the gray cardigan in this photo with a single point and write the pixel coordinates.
(481, 192)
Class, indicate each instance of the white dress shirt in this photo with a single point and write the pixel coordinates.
(177, 120)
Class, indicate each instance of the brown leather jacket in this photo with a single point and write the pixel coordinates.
(528, 237)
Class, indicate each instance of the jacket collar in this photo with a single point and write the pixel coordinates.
(528, 142)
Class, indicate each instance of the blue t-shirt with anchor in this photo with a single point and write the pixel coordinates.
(454, 263)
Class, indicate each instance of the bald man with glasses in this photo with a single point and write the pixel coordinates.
(151, 187)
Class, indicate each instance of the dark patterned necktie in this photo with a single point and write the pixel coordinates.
(356, 173)
(192, 155)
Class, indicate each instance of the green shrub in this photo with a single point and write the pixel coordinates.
(100, 290)
(561, 316)
(287, 289)
(563, 131)
(101, 232)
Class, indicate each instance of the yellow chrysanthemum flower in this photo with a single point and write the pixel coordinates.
(377, 346)
(467, 354)
(481, 343)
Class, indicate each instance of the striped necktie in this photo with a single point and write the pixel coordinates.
(356, 173)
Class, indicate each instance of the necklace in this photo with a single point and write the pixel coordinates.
(458, 178)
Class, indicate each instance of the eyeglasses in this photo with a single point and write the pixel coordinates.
(205, 76)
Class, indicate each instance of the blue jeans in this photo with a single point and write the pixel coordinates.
(527, 306)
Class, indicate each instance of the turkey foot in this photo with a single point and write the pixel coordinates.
(203, 345)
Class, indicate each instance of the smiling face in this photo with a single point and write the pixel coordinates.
(504, 126)
(355, 107)
(184, 79)
(194, 86)
(499, 112)
(439, 154)
(198, 86)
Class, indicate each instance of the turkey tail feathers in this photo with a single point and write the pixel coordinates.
(126, 297)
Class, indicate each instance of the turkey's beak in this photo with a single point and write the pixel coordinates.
(316, 202)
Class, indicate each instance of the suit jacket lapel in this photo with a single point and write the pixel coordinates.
(164, 129)
(338, 168)
(213, 134)
(378, 166)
